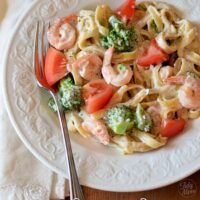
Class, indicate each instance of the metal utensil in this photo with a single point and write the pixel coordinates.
(40, 49)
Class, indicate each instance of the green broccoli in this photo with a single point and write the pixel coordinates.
(70, 95)
(52, 105)
(142, 119)
(120, 119)
(120, 37)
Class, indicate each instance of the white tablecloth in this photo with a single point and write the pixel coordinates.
(22, 176)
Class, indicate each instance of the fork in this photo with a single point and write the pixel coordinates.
(40, 50)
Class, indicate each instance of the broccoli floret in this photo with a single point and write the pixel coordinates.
(70, 95)
(52, 105)
(120, 37)
(120, 119)
(142, 119)
(66, 83)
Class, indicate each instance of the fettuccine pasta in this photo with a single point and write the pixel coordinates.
(128, 79)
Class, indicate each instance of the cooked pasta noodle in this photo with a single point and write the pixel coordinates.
(88, 32)
(147, 66)
(102, 14)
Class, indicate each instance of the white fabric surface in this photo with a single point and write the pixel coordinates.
(22, 176)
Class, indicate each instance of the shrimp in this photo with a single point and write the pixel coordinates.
(62, 34)
(89, 66)
(175, 80)
(189, 93)
(98, 129)
(157, 119)
(118, 75)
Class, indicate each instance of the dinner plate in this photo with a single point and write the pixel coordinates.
(98, 166)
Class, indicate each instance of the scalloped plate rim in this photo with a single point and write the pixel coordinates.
(6, 100)
(182, 175)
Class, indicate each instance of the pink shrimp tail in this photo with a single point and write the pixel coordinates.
(178, 80)
(108, 56)
(99, 130)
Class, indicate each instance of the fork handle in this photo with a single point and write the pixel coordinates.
(76, 192)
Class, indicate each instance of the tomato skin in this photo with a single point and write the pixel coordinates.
(172, 127)
(97, 94)
(39, 75)
(55, 66)
(127, 10)
(152, 55)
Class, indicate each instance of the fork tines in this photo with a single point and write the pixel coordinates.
(41, 47)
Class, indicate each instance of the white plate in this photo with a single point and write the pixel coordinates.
(98, 166)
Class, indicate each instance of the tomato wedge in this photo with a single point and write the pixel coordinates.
(55, 66)
(152, 55)
(127, 10)
(172, 127)
(97, 94)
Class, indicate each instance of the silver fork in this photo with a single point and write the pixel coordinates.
(40, 50)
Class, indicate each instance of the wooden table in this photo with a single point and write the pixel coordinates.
(187, 189)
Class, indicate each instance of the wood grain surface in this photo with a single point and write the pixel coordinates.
(187, 189)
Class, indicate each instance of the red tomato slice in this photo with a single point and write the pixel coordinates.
(172, 127)
(127, 10)
(97, 94)
(55, 66)
(153, 55)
